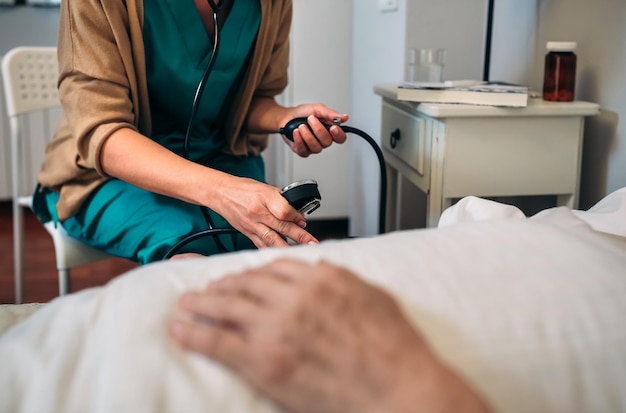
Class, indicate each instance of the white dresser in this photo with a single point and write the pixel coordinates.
(451, 151)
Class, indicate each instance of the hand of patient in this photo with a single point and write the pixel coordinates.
(316, 338)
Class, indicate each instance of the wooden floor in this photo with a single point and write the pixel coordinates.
(41, 279)
(40, 275)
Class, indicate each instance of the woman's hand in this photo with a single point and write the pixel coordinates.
(314, 137)
(267, 116)
(261, 213)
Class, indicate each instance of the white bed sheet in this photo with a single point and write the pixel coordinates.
(530, 311)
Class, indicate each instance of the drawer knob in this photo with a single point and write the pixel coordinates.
(394, 138)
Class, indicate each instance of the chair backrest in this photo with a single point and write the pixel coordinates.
(30, 76)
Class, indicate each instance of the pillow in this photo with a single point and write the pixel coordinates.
(530, 311)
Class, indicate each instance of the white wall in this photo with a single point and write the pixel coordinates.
(513, 41)
(378, 57)
(28, 26)
(458, 26)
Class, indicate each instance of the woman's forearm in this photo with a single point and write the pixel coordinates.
(138, 160)
(255, 209)
(266, 116)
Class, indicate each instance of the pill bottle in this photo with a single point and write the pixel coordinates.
(559, 79)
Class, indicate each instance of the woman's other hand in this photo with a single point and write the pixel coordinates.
(314, 137)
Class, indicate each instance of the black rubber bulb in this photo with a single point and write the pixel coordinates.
(293, 124)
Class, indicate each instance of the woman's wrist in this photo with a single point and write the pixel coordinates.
(210, 187)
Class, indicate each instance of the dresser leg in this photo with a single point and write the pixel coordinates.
(393, 203)
(568, 200)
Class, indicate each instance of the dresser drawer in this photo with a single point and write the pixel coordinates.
(404, 135)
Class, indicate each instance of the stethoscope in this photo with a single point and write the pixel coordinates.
(205, 76)
(217, 31)
(303, 195)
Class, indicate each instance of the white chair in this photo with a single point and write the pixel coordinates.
(30, 85)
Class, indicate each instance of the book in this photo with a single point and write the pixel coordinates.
(465, 92)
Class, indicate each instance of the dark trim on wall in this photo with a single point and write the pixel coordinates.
(328, 228)
(33, 3)
(488, 37)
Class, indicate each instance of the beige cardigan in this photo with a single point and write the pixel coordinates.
(102, 86)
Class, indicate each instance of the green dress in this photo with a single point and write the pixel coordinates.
(130, 222)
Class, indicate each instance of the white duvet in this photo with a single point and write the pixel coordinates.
(531, 311)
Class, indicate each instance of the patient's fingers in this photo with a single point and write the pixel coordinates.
(236, 311)
(259, 286)
(213, 341)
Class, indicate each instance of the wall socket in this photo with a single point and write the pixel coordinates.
(387, 5)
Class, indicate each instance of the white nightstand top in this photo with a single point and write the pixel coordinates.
(536, 107)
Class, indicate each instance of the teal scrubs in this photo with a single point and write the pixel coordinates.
(130, 222)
